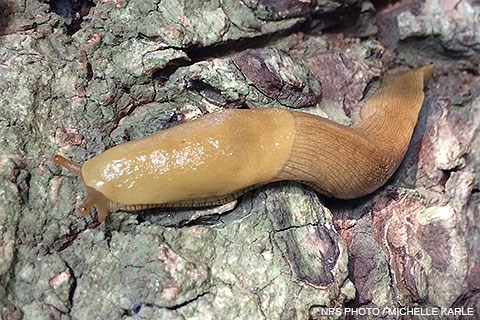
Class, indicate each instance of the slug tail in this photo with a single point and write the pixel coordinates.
(427, 73)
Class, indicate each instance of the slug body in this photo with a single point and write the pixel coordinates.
(215, 158)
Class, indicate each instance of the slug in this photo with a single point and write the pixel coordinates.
(216, 158)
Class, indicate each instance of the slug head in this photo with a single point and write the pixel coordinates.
(92, 198)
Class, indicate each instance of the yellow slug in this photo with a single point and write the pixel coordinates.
(217, 157)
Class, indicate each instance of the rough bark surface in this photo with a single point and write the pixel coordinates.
(78, 77)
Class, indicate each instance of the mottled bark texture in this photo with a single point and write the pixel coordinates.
(77, 77)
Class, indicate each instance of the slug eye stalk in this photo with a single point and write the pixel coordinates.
(73, 167)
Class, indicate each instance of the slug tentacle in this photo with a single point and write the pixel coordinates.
(96, 199)
(73, 167)
(218, 157)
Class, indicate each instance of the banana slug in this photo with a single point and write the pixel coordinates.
(214, 159)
